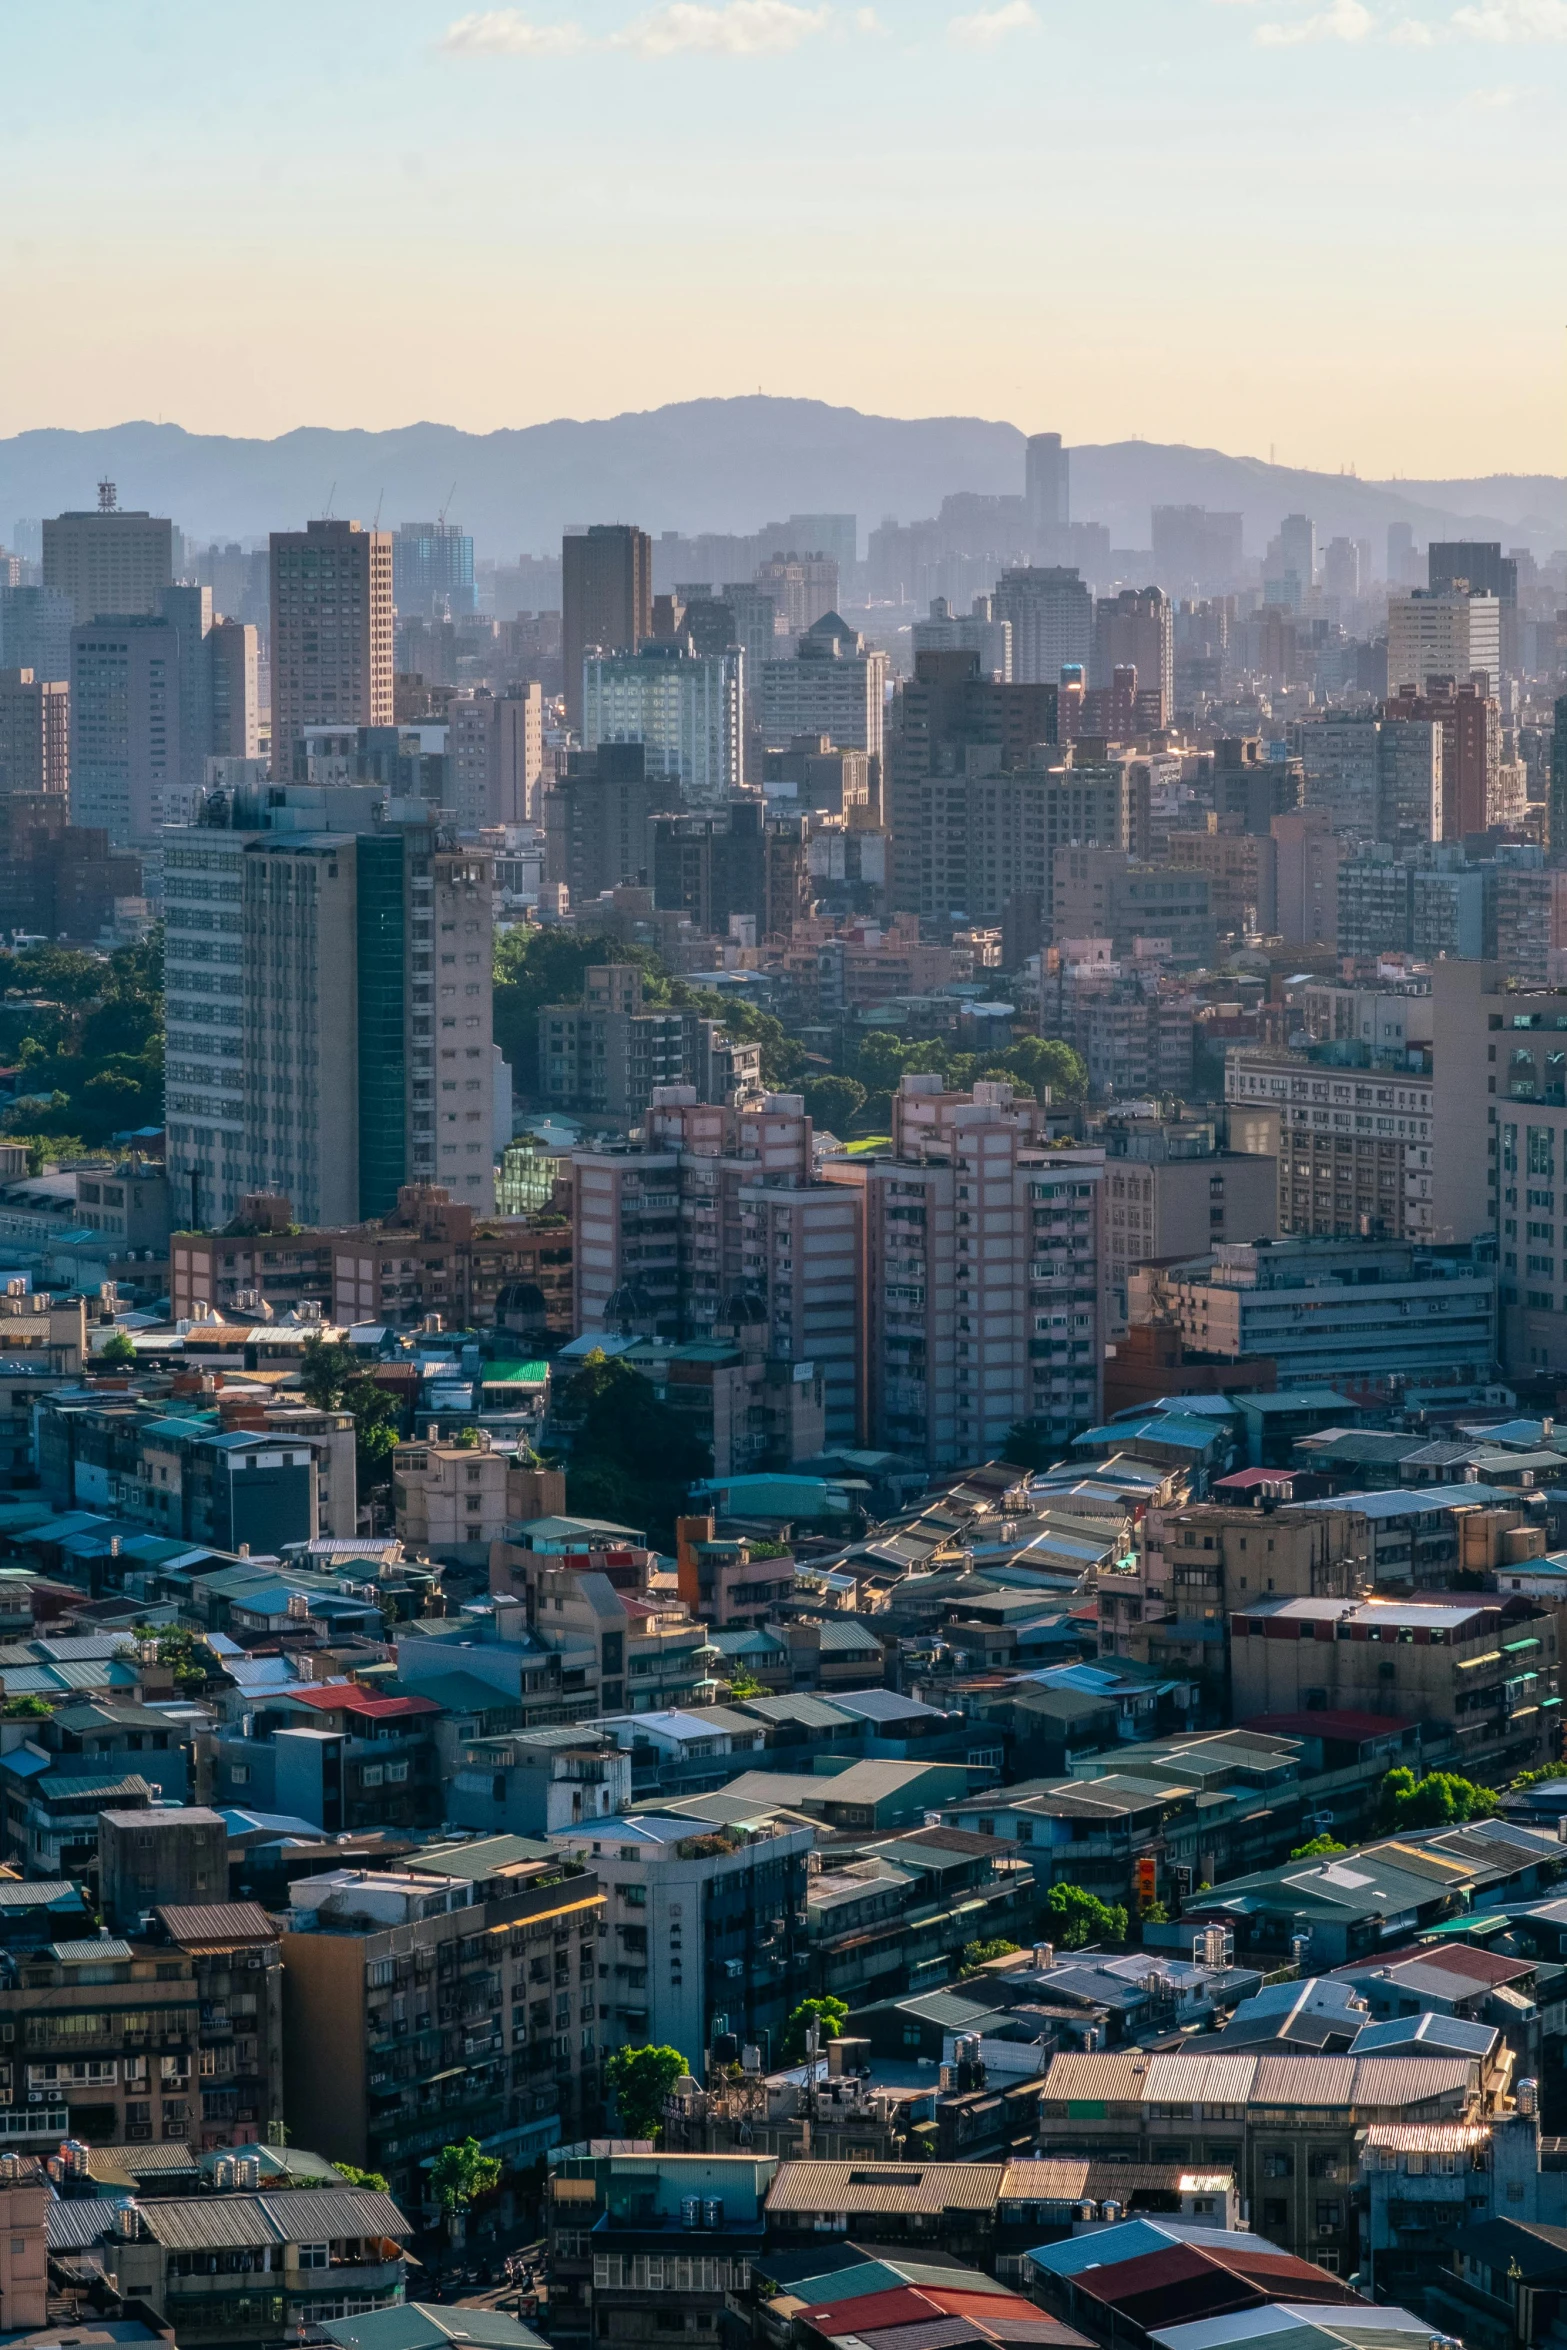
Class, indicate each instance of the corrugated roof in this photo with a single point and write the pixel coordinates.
(1199, 2080)
(1428, 2137)
(287, 2215)
(931, 2187)
(71, 2227)
(99, 1950)
(219, 1925)
(415, 2325)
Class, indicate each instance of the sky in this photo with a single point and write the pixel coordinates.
(1327, 230)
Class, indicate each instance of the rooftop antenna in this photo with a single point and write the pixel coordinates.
(380, 502)
(446, 509)
(330, 496)
(108, 498)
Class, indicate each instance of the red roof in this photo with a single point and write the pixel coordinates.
(1190, 2281)
(1463, 1959)
(903, 2305)
(1328, 1724)
(331, 1697)
(1247, 1480)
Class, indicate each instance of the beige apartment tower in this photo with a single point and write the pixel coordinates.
(331, 631)
(109, 561)
(35, 733)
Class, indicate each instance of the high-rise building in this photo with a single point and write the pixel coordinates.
(1557, 805)
(803, 587)
(1047, 493)
(495, 756)
(717, 1228)
(608, 1055)
(1469, 721)
(598, 821)
(1443, 633)
(35, 630)
(1307, 853)
(234, 654)
(432, 571)
(1195, 552)
(188, 610)
(1410, 781)
(685, 708)
(1052, 617)
(746, 860)
(606, 599)
(983, 1275)
(1135, 630)
(109, 560)
(328, 1010)
(126, 764)
(331, 648)
(835, 686)
(978, 631)
(1341, 569)
(1298, 548)
(35, 733)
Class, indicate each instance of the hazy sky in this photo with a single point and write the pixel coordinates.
(1332, 227)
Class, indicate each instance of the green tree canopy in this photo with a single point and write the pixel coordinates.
(631, 1458)
(461, 2172)
(640, 2080)
(1320, 1848)
(978, 1954)
(118, 1350)
(834, 1102)
(1441, 1799)
(827, 2014)
(334, 1379)
(374, 2180)
(1073, 1917)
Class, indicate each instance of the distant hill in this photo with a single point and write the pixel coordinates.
(716, 465)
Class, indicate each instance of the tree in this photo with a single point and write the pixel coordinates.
(1441, 1799)
(117, 1351)
(27, 1709)
(827, 2015)
(185, 1653)
(631, 1459)
(834, 1102)
(1073, 1917)
(460, 2173)
(978, 1954)
(640, 2080)
(374, 2180)
(1320, 1848)
(1042, 1061)
(326, 1369)
(744, 1684)
(335, 1380)
(1029, 1445)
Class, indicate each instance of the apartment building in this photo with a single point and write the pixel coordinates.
(332, 631)
(1103, 893)
(610, 1054)
(986, 836)
(126, 742)
(184, 1476)
(717, 1225)
(606, 599)
(626, 2266)
(495, 756)
(834, 686)
(984, 1250)
(174, 2034)
(1051, 614)
(328, 998)
(605, 1644)
(684, 707)
(450, 1499)
(35, 733)
(350, 1760)
(1484, 1671)
(598, 819)
(459, 1996)
(705, 1926)
(1170, 1192)
(1354, 1149)
(1242, 871)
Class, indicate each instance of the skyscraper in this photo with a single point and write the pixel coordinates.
(35, 733)
(835, 686)
(35, 630)
(1052, 616)
(1298, 548)
(1135, 630)
(432, 571)
(1443, 633)
(684, 707)
(108, 559)
(606, 596)
(235, 718)
(125, 723)
(1047, 492)
(328, 1008)
(331, 631)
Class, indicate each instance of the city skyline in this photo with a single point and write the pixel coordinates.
(570, 175)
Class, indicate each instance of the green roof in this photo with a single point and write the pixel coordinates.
(515, 1375)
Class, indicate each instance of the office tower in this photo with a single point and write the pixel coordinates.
(1134, 630)
(331, 648)
(1445, 633)
(977, 843)
(834, 686)
(1307, 855)
(1047, 493)
(432, 571)
(1298, 548)
(598, 821)
(1470, 724)
(683, 707)
(188, 610)
(760, 630)
(35, 630)
(1339, 761)
(1052, 617)
(606, 599)
(59, 880)
(978, 631)
(1196, 553)
(804, 588)
(716, 1229)
(233, 652)
(1403, 564)
(1341, 568)
(983, 1254)
(1409, 781)
(709, 621)
(109, 560)
(126, 752)
(35, 733)
(745, 861)
(1473, 566)
(333, 1042)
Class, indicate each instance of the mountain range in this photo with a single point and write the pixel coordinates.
(719, 465)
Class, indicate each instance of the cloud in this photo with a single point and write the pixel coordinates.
(506, 32)
(1411, 32)
(867, 21)
(1342, 20)
(990, 25)
(1513, 20)
(683, 28)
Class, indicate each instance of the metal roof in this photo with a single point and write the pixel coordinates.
(100, 1950)
(218, 1925)
(414, 2325)
(287, 2215)
(931, 2187)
